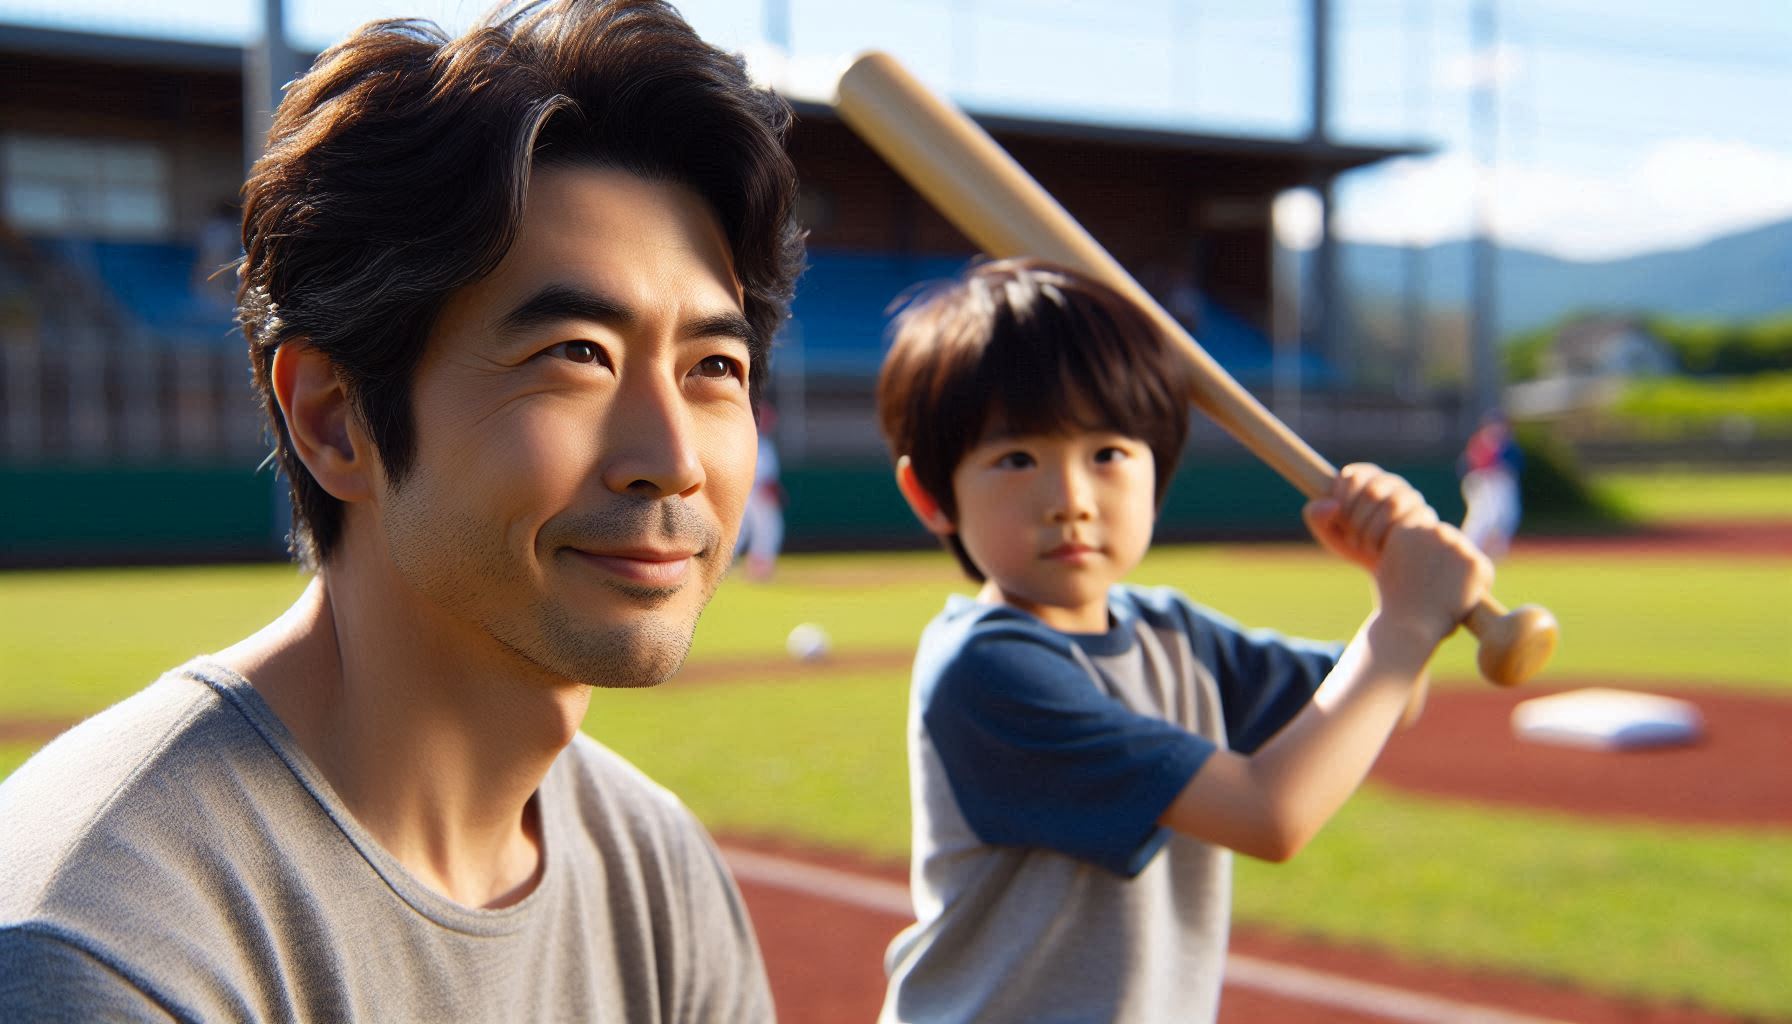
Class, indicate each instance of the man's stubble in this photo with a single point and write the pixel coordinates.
(459, 562)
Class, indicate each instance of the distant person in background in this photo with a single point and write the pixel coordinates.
(217, 250)
(762, 528)
(1489, 467)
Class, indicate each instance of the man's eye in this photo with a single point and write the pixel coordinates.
(579, 351)
(716, 368)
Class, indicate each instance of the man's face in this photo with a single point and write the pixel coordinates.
(585, 441)
(1053, 520)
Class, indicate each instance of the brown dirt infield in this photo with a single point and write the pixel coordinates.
(1768, 539)
(1464, 748)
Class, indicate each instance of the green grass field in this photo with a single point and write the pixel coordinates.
(1707, 497)
(817, 756)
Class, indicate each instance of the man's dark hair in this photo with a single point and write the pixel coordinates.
(397, 169)
(1026, 347)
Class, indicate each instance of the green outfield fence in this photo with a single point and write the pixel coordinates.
(98, 514)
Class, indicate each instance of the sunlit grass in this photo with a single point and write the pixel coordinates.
(1688, 495)
(1665, 913)
(14, 754)
(75, 640)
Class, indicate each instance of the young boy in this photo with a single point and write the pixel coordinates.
(1084, 755)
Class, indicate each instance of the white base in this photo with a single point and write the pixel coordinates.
(1602, 719)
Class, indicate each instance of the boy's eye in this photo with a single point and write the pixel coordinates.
(717, 367)
(1110, 454)
(1014, 460)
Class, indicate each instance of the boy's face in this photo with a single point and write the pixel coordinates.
(1053, 520)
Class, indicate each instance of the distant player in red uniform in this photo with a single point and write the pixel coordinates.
(1489, 468)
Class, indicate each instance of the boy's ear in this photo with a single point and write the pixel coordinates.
(925, 508)
(324, 431)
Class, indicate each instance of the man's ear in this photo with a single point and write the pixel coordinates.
(926, 509)
(324, 431)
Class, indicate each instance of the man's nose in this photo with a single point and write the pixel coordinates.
(648, 440)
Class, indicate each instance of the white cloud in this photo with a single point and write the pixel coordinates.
(1679, 192)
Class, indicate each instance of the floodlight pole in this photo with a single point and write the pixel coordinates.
(268, 65)
(1484, 363)
(1325, 303)
(777, 24)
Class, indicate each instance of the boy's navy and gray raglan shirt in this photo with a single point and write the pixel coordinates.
(1039, 764)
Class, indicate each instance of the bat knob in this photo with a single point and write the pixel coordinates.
(1516, 644)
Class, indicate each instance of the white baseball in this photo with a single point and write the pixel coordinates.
(807, 642)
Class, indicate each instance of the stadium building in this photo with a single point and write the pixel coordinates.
(128, 432)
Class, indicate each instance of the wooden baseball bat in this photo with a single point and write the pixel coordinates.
(999, 207)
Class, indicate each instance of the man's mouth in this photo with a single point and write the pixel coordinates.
(645, 566)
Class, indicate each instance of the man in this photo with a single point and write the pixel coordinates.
(508, 299)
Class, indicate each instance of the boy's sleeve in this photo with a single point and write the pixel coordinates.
(1037, 756)
(1264, 678)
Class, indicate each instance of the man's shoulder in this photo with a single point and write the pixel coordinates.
(614, 799)
(588, 762)
(625, 826)
(103, 792)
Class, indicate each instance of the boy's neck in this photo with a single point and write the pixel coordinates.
(1090, 618)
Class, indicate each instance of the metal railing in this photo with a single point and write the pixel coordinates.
(90, 397)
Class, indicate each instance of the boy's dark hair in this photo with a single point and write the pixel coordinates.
(397, 169)
(1026, 347)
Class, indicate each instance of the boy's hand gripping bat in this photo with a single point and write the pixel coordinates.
(999, 207)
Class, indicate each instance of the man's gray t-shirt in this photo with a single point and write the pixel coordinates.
(1039, 764)
(178, 857)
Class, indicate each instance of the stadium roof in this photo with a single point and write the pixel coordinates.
(116, 50)
(177, 54)
(1332, 157)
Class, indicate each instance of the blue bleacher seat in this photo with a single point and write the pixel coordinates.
(843, 301)
(153, 283)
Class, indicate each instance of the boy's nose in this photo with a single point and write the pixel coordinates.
(1071, 498)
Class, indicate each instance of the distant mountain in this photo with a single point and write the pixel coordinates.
(1736, 277)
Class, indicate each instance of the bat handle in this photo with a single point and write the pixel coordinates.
(1514, 644)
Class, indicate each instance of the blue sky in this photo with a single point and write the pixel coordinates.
(1624, 125)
